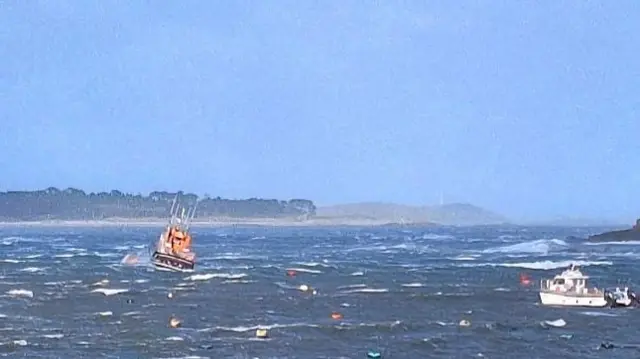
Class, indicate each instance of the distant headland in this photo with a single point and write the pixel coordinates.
(76, 205)
(624, 235)
(73, 206)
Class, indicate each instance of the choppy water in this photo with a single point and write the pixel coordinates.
(401, 292)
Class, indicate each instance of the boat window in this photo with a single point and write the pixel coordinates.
(558, 281)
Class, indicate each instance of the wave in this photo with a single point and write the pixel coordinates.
(626, 243)
(542, 246)
(207, 276)
(540, 265)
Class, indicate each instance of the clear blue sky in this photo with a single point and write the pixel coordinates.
(527, 108)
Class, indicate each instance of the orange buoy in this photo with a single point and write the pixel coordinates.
(524, 279)
(336, 316)
(291, 273)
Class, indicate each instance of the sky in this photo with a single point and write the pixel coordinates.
(526, 108)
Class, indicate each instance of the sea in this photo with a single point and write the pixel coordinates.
(437, 292)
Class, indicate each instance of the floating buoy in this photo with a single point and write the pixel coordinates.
(524, 279)
(464, 323)
(336, 315)
(291, 273)
(304, 288)
(175, 323)
(262, 333)
(374, 354)
(170, 295)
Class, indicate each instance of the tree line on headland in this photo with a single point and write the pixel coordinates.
(74, 204)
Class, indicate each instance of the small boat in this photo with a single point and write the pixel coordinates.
(569, 289)
(173, 249)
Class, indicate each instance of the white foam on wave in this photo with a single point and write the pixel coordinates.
(242, 329)
(233, 257)
(558, 323)
(100, 282)
(598, 314)
(546, 265)
(106, 255)
(306, 270)
(465, 258)
(174, 339)
(53, 336)
(32, 269)
(539, 265)
(12, 261)
(350, 286)
(313, 264)
(627, 243)
(367, 290)
(20, 293)
(109, 292)
(537, 246)
(434, 236)
(237, 281)
(207, 276)
(413, 285)
(357, 274)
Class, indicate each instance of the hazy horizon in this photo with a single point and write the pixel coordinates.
(525, 109)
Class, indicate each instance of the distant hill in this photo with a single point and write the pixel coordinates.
(75, 204)
(448, 214)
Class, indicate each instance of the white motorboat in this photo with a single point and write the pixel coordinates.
(569, 289)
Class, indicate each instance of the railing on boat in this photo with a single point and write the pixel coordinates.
(545, 286)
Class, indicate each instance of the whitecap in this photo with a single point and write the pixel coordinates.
(537, 246)
(20, 293)
(547, 265)
(620, 243)
(368, 290)
(539, 265)
(598, 314)
(33, 269)
(558, 323)
(207, 276)
(176, 339)
(109, 292)
(13, 261)
(305, 270)
(53, 336)
(413, 285)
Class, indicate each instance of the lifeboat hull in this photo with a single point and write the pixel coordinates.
(173, 263)
(563, 300)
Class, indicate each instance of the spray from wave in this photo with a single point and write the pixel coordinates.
(540, 246)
